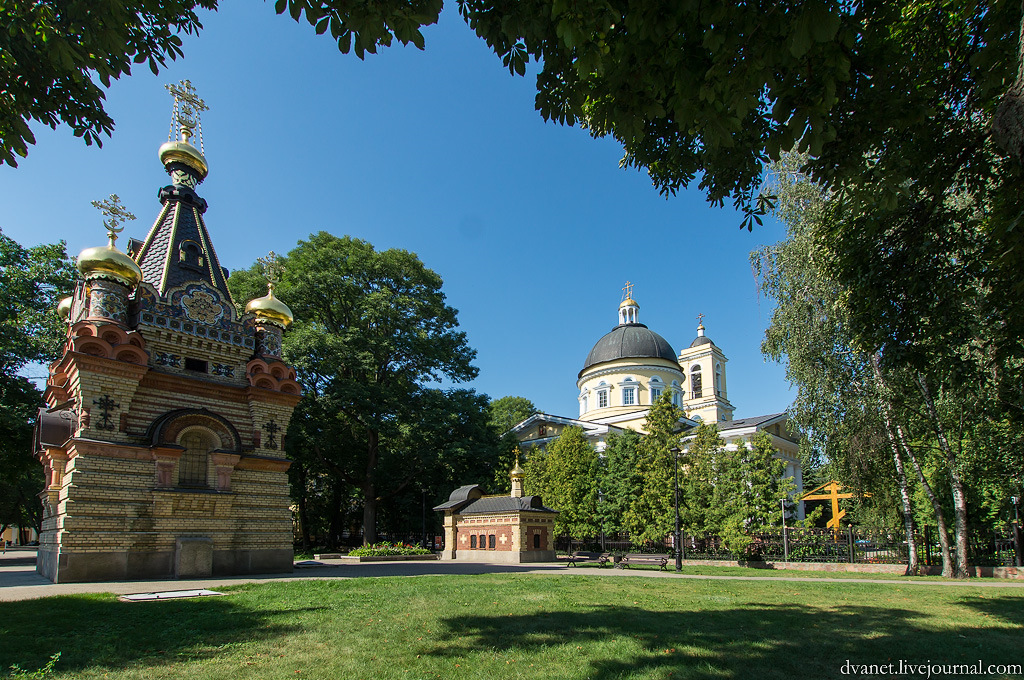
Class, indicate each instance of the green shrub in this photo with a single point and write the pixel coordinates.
(386, 548)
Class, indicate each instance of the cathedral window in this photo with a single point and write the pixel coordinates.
(656, 387)
(602, 395)
(718, 379)
(697, 382)
(630, 389)
(676, 389)
(472, 542)
(193, 462)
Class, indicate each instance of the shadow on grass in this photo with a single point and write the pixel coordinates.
(754, 640)
(98, 630)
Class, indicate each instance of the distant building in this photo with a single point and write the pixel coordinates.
(161, 438)
(510, 528)
(631, 366)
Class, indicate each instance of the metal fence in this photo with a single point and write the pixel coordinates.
(849, 545)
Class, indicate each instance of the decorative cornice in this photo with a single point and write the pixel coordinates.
(625, 369)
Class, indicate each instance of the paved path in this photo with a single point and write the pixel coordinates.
(19, 581)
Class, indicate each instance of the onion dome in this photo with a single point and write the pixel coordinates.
(64, 308)
(183, 152)
(629, 302)
(185, 163)
(107, 262)
(517, 471)
(268, 309)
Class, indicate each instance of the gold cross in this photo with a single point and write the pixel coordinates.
(700, 319)
(833, 488)
(627, 291)
(187, 107)
(271, 268)
(115, 214)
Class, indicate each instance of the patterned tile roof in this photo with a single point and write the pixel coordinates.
(178, 249)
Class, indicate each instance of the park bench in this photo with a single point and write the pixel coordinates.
(584, 556)
(628, 560)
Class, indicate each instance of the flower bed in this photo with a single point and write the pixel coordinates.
(387, 549)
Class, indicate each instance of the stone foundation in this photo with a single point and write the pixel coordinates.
(138, 566)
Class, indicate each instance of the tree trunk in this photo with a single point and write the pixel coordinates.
(957, 485)
(370, 489)
(940, 516)
(334, 529)
(369, 517)
(1008, 122)
(901, 475)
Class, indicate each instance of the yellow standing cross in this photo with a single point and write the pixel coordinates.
(832, 488)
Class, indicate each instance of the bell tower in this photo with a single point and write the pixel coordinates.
(705, 393)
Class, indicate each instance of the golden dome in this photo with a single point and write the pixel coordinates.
(517, 471)
(183, 152)
(628, 302)
(107, 262)
(268, 309)
(64, 308)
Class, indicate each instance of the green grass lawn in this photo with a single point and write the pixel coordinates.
(780, 573)
(517, 626)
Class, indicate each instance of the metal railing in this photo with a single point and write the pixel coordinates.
(849, 545)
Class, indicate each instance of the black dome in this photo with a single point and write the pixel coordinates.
(629, 341)
(701, 340)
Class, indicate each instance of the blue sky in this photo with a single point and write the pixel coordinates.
(532, 225)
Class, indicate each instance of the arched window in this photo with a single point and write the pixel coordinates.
(656, 387)
(472, 541)
(189, 253)
(192, 465)
(696, 382)
(718, 379)
(536, 541)
(676, 389)
(629, 390)
(602, 395)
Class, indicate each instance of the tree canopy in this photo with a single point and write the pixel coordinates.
(32, 281)
(690, 89)
(372, 330)
(565, 476)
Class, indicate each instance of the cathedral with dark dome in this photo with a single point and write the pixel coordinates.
(630, 366)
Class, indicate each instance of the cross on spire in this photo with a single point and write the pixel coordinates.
(700, 321)
(186, 112)
(627, 291)
(115, 214)
(271, 268)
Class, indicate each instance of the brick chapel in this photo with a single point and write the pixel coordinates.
(162, 435)
(503, 528)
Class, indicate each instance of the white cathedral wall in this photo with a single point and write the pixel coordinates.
(613, 374)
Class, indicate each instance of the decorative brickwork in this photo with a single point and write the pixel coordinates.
(163, 437)
(513, 528)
